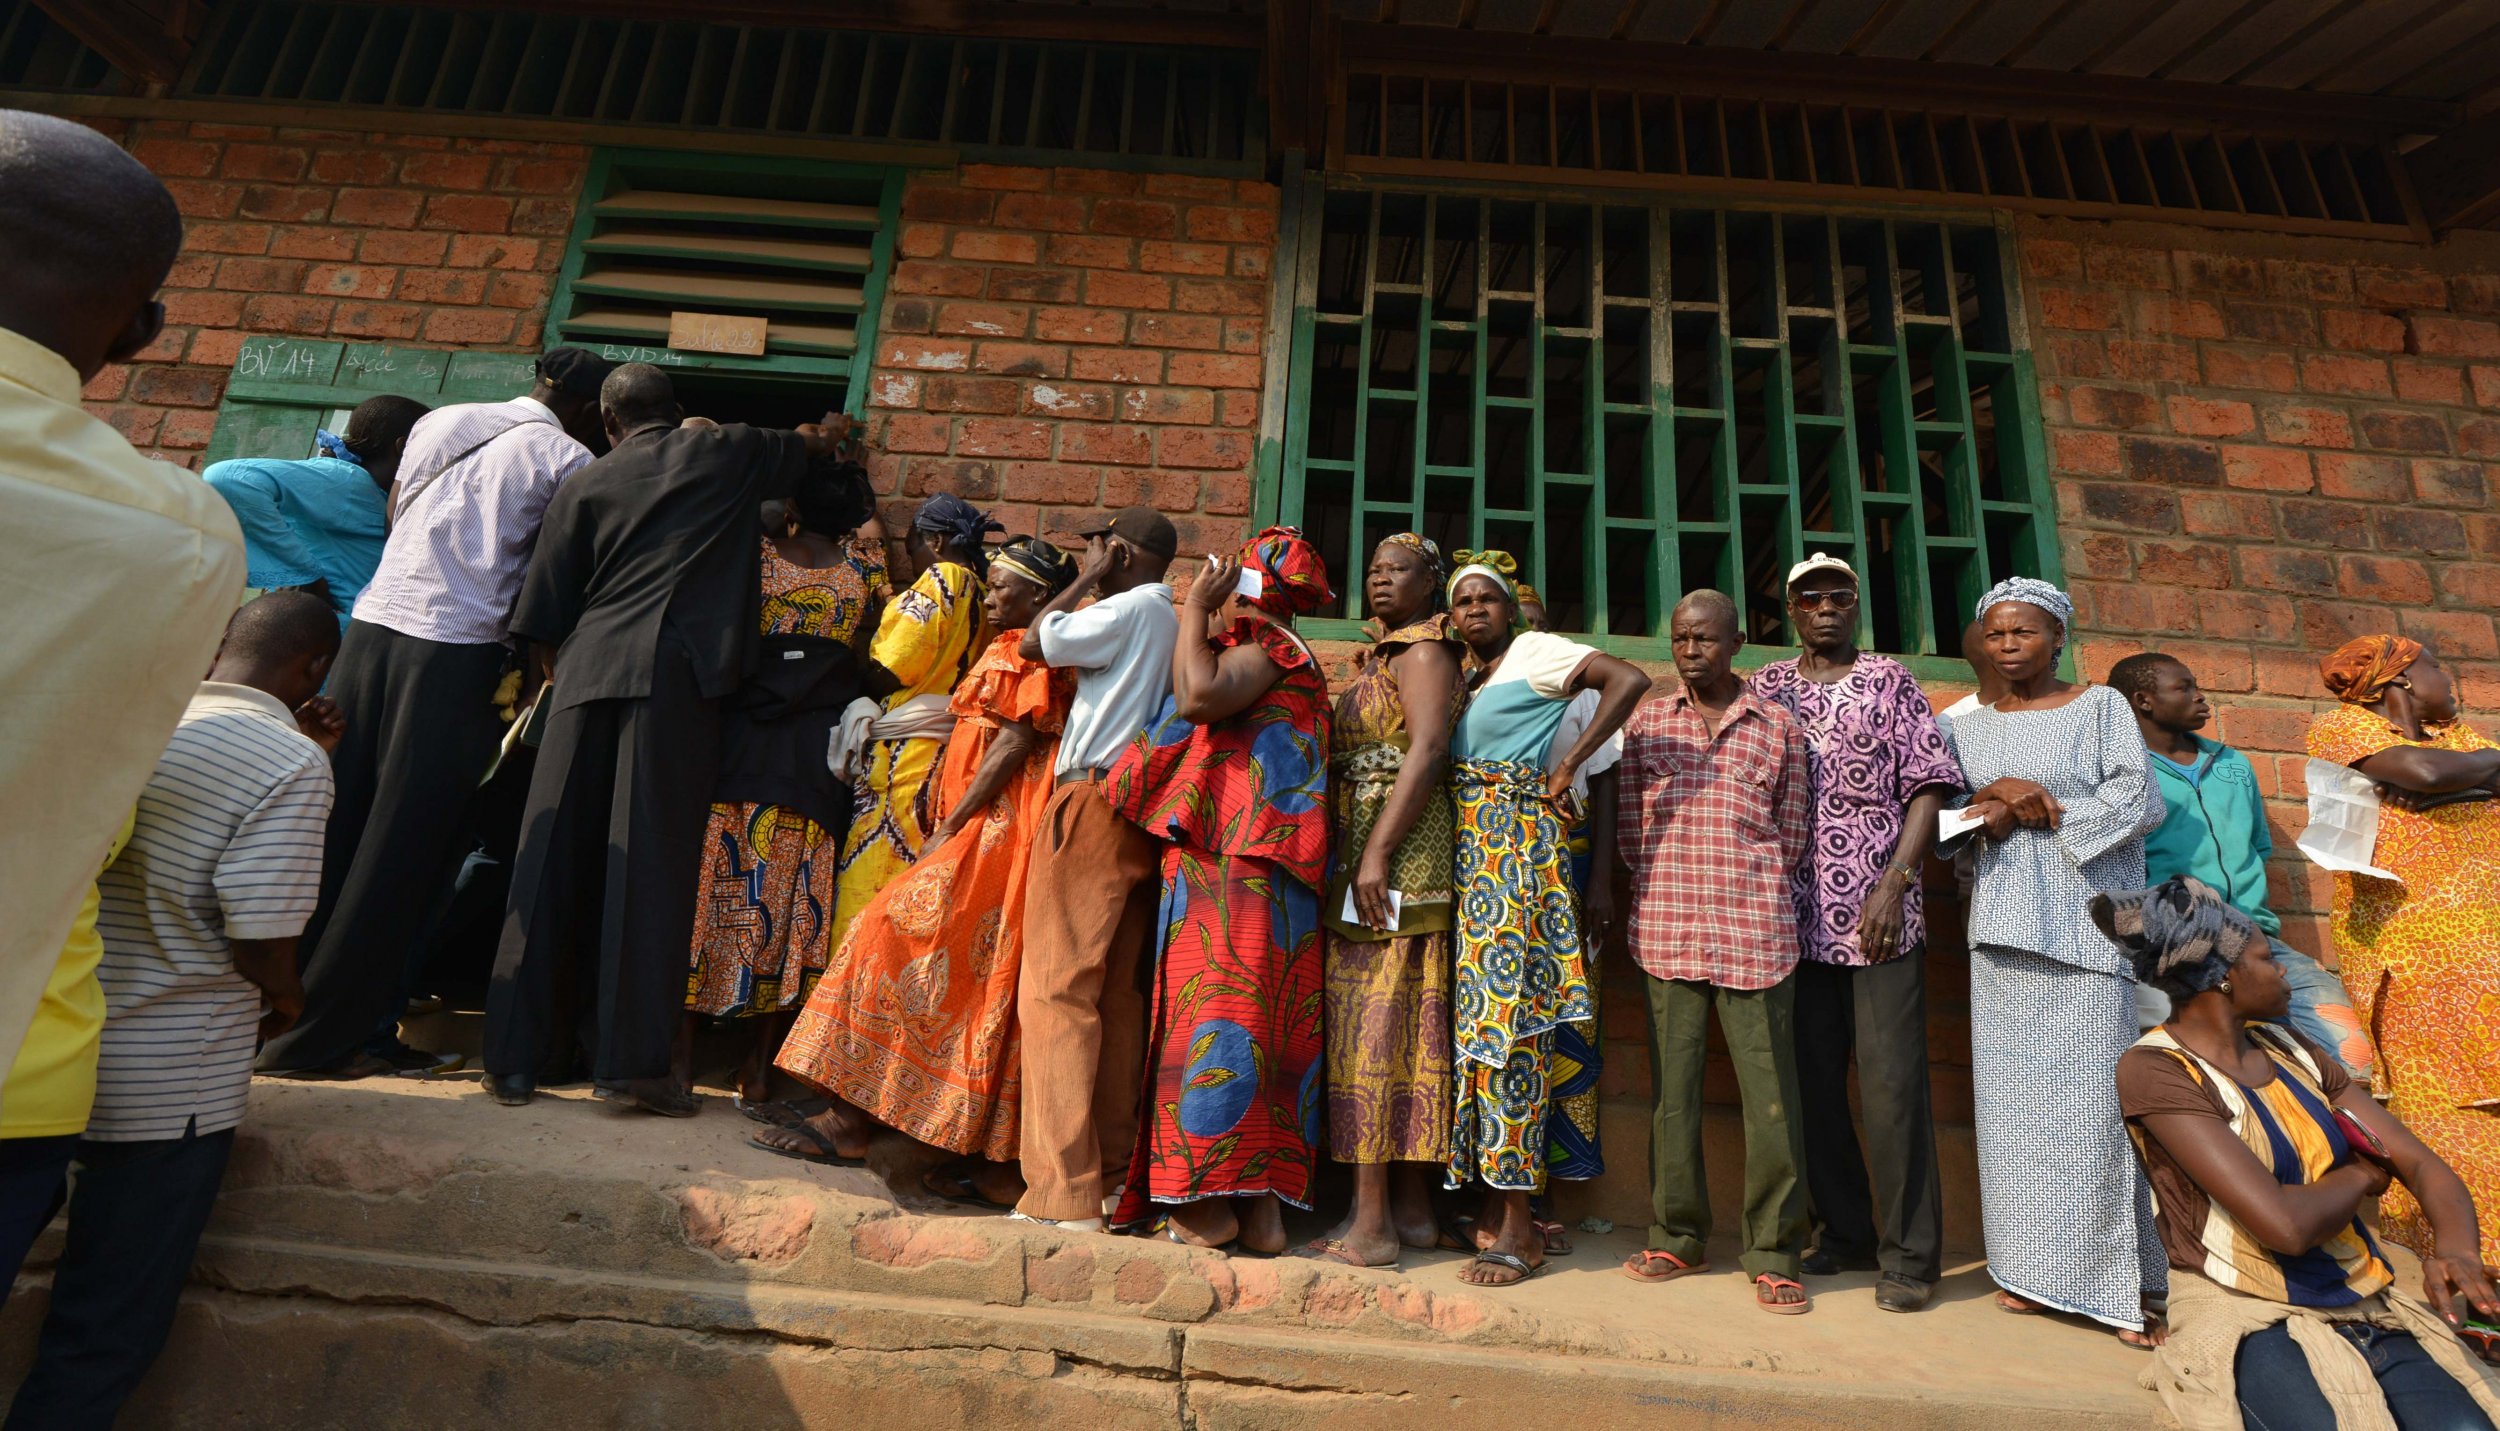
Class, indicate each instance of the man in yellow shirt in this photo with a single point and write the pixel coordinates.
(117, 573)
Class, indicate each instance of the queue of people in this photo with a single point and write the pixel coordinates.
(1098, 888)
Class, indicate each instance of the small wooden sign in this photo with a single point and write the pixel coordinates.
(717, 333)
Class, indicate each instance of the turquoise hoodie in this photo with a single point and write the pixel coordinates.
(2215, 829)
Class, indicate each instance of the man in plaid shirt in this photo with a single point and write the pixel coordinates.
(1714, 816)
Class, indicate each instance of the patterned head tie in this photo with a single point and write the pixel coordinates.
(1528, 595)
(1422, 546)
(957, 523)
(2361, 670)
(1499, 565)
(2180, 935)
(1038, 562)
(2032, 591)
(1293, 577)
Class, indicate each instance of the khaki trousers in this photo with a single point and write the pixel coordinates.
(1090, 896)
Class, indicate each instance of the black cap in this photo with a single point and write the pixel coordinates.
(1141, 527)
(575, 372)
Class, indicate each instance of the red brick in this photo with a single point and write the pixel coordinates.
(2091, 309)
(1201, 370)
(948, 280)
(261, 275)
(1231, 225)
(2439, 336)
(982, 320)
(195, 271)
(389, 320)
(921, 241)
(2183, 564)
(541, 176)
(1002, 437)
(349, 280)
(2400, 287)
(206, 309)
(1093, 181)
(187, 430)
(166, 347)
(2345, 376)
(270, 163)
(1148, 487)
(1104, 289)
(378, 208)
(196, 200)
(1199, 448)
(1017, 285)
(469, 213)
(2129, 505)
(1052, 484)
(2418, 381)
(227, 238)
(2098, 554)
(2073, 355)
(2308, 282)
(893, 390)
(1187, 186)
(137, 425)
(1119, 446)
(2307, 426)
(207, 130)
(2284, 673)
(2393, 430)
(176, 158)
(2178, 464)
(1081, 325)
(354, 166)
(2090, 454)
(2479, 437)
(1092, 251)
(405, 247)
(917, 432)
(2411, 529)
(2358, 478)
(2243, 615)
(2218, 272)
(1049, 213)
(2163, 313)
(972, 395)
(334, 245)
(981, 246)
(944, 356)
(2116, 606)
(2270, 469)
(2267, 369)
(2474, 583)
(2270, 323)
(1167, 405)
(1021, 360)
(489, 251)
(2363, 331)
(2326, 524)
(443, 285)
(1227, 493)
(546, 218)
(1237, 408)
(1004, 176)
(2208, 417)
(973, 481)
(1203, 259)
(2114, 407)
(1194, 295)
(1244, 335)
(908, 315)
(520, 290)
(1116, 365)
(2379, 578)
(2449, 634)
(446, 171)
(2475, 292)
(2052, 258)
(277, 313)
(941, 203)
(1136, 218)
(2449, 484)
(2287, 569)
(2121, 267)
(178, 387)
(1073, 402)
(106, 385)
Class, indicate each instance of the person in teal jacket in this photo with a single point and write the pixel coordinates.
(317, 522)
(2215, 831)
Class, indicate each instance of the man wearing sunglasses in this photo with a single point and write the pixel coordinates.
(1878, 772)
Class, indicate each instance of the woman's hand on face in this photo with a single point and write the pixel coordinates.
(1371, 888)
(1215, 584)
(2457, 1287)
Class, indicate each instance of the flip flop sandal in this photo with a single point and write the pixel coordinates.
(826, 1153)
(1171, 1234)
(1331, 1249)
(1640, 1267)
(1521, 1265)
(1457, 1235)
(1557, 1237)
(780, 1112)
(1773, 1283)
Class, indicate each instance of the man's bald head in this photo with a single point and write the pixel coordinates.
(86, 236)
(637, 395)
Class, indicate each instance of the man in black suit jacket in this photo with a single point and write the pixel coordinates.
(645, 585)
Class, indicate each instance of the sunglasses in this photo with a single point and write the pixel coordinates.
(1841, 600)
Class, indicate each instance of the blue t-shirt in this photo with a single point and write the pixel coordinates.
(319, 519)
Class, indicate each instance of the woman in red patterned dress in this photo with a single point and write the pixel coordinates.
(1234, 773)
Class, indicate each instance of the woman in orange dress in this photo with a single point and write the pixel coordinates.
(2422, 957)
(913, 1025)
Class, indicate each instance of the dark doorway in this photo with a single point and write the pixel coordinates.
(758, 401)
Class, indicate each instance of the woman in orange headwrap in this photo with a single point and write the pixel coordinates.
(2421, 952)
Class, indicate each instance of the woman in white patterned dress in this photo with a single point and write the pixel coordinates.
(2058, 774)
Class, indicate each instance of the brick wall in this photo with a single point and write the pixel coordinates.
(335, 234)
(1056, 342)
(2264, 447)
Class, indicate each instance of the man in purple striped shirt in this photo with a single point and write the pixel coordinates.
(416, 679)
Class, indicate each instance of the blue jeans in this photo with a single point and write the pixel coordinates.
(2321, 1011)
(2277, 1393)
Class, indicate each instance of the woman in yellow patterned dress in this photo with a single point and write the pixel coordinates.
(2422, 957)
(766, 899)
(925, 643)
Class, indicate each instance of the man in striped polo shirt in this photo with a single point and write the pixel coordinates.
(199, 919)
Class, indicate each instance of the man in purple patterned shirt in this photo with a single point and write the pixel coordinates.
(1880, 771)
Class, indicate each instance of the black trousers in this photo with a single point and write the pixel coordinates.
(603, 892)
(32, 1179)
(135, 1217)
(421, 730)
(1880, 1015)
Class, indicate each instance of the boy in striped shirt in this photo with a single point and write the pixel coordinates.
(199, 918)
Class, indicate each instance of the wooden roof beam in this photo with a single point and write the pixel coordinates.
(981, 19)
(2456, 177)
(147, 39)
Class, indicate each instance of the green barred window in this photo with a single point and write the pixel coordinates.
(1639, 399)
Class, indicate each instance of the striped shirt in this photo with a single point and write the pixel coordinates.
(463, 530)
(227, 845)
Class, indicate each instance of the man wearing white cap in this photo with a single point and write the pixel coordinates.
(1878, 772)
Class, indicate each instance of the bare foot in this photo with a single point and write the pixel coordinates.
(1204, 1224)
(1261, 1221)
(1500, 1262)
(847, 1130)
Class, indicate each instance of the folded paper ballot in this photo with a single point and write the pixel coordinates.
(1953, 824)
(2343, 820)
(1348, 915)
(1249, 586)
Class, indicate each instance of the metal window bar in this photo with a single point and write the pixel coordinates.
(1639, 398)
(1392, 123)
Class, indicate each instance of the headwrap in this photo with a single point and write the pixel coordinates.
(1422, 546)
(957, 522)
(2362, 669)
(1293, 578)
(2180, 935)
(1528, 593)
(2032, 591)
(329, 444)
(1499, 565)
(1037, 561)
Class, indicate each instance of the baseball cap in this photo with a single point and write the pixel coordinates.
(576, 372)
(1141, 527)
(1819, 561)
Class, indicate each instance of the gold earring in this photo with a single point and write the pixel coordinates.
(2226, 986)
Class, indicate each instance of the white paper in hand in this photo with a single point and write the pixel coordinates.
(2343, 821)
(1953, 824)
(1348, 915)
(1249, 586)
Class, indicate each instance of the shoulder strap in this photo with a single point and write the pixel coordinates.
(405, 495)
